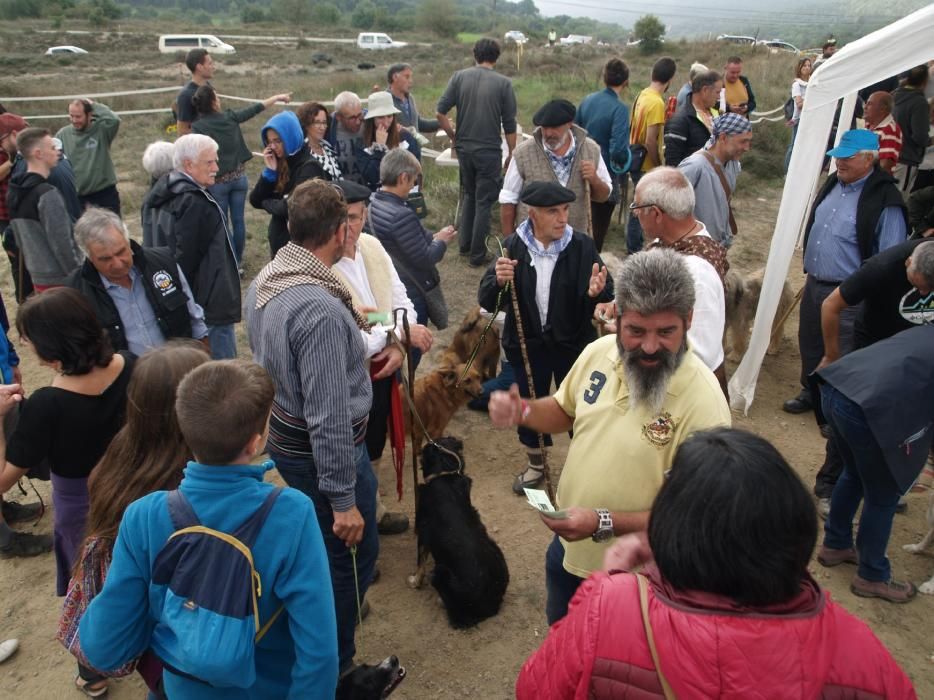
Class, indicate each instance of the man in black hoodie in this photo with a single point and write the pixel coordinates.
(912, 114)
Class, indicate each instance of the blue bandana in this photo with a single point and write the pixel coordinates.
(562, 164)
(524, 231)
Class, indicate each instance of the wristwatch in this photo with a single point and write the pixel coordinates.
(604, 529)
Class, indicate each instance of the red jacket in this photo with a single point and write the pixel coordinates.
(708, 648)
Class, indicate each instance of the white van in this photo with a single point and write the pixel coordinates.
(377, 40)
(172, 43)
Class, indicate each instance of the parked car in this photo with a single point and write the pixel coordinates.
(575, 39)
(774, 45)
(735, 39)
(516, 36)
(172, 43)
(377, 40)
(59, 50)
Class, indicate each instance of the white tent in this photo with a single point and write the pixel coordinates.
(889, 51)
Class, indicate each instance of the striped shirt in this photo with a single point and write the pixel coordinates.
(890, 139)
(310, 345)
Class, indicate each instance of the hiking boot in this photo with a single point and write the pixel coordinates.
(525, 480)
(392, 523)
(799, 404)
(23, 544)
(892, 591)
(21, 512)
(834, 557)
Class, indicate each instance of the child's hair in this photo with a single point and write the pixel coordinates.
(221, 405)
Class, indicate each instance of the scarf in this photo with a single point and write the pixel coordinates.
(562, 164)
(524, 231)
(703, 247)
(293, 266)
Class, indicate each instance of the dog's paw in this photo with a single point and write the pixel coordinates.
(927, 587)
(913, 548)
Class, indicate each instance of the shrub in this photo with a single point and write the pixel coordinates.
(649, 30)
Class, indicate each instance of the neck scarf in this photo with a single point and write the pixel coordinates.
(535, 247)
(703, 247)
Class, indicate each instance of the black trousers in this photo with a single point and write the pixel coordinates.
(601, 213)
(107, 198)
(481, 181)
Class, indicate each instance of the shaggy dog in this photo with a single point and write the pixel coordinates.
(470, 571)
(370, 682)
(928, 586)
(438, 396)
(467, 338)
(742, 297)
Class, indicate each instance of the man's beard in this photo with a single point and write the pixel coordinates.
(648, 386)
(556, 142)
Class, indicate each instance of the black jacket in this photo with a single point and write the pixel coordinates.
(187, 220)
(570, 310)
(684, 134)
(913, 115)
(879, 192)
(158, 273)
(264, 196)
(921, 210)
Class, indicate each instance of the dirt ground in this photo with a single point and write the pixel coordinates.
(484, 661)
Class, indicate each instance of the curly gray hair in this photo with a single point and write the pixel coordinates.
(655, 281)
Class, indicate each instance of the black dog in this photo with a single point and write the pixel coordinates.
(370, 682)
(470, 570)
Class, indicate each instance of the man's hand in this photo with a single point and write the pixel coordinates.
(420, 337)
(580, 524)
(393, 357)
(446, 234)
(588, 171)
(348, 526)
(505, 271)
(10, 395)
(605, 313)
(739, 109)
(628, 552)
(505, 407)
(597, 280)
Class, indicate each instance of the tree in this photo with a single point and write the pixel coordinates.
(364, 15)
(440, 17)
(649, 30)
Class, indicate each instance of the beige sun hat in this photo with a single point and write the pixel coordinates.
(380, 104)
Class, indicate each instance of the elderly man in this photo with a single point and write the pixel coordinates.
(664, 203)
(367, 271)
(689, 129)
(305, 331)
(140, 295)
(737, 94)
(631, 400)
(684, 94)
(560, 280)
(38, 217)
(485, 103)
(346, 133)
(86, 142)
(399, 85)
(713, 171)
(560, 152)
(879, 120)
(202, 67)
(913, 114)
(187, 220)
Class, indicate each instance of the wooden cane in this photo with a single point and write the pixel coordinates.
(410, 388)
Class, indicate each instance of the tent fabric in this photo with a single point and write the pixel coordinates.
(882, 54)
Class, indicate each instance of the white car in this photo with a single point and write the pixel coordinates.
(575, 39)
(59, 50)
(377, 40)
(774, 46)
(516, 36)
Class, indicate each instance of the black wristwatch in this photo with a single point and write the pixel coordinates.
(604, 529)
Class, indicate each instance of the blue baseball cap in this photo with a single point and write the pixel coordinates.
(854, 141)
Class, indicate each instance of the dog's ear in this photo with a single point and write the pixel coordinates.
(449, 375)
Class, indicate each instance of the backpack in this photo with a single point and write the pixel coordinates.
(208, 625)
(789, 109)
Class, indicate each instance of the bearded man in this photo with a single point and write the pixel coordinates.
(631, 400)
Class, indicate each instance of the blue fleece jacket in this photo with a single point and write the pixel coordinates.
(298, 656)
(288, 127)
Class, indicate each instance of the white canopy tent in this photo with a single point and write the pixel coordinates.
(889, 51)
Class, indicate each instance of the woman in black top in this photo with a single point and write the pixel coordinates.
(231, 184)
(315, 121)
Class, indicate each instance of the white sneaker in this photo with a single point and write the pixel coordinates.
(823, 507)
(8, 648)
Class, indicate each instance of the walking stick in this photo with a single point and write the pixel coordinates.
(410, 388)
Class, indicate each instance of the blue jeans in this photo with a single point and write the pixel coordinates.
(300, 473)
(791, 145)
(865, 478)
(634, 235)
(231, 198)
(223, 342)
(560, 584)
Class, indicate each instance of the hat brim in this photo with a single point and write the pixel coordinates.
(382, 112)
(842, 152)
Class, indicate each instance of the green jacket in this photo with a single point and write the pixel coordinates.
(224, 127)
(89, 150)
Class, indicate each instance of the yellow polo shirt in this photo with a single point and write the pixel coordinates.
(618, 455)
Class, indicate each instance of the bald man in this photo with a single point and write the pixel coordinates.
(878, 115)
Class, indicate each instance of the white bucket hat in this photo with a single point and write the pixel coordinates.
(380, 104)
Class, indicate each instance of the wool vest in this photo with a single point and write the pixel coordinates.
(534, 165)
(378, 274)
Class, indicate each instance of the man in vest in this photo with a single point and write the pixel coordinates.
(140, 295)
(367, 271)
(559, 152)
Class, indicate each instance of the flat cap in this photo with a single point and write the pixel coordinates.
(10, 122)
(545, 194)
(353, 191)
(554, 113)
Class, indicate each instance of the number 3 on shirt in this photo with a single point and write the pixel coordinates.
(597, 380)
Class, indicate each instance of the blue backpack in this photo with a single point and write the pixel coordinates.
(208, 625)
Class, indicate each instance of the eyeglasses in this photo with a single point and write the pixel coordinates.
(633, 206)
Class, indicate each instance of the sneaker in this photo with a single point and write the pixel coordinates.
(892, 591)
(823, 507)
(23, 544)
(392, 523)
(8, 648)
(522, 481)
(21, 512)
(833, 557)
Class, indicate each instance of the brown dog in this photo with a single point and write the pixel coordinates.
(742, 298)
(467, 338)
(438, 397)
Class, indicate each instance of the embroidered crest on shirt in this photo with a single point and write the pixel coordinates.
(659, 430)
(163, 281)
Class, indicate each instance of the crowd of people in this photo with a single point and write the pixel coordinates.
(152, 431)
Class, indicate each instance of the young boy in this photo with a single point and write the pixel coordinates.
(223, 412)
